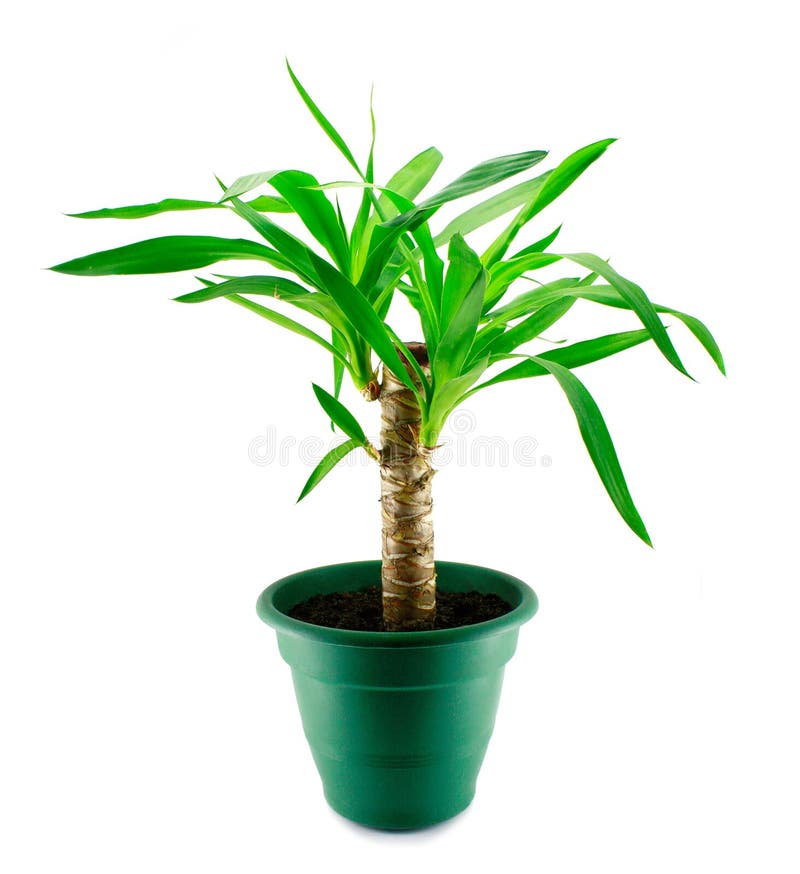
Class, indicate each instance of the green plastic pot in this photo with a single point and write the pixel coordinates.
(398, 722)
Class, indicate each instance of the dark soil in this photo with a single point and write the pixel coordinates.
(362, 611)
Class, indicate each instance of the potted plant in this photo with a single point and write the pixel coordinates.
(398, 662)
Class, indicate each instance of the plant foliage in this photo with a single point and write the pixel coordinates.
(473, 315)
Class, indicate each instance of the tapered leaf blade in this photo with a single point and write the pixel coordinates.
(315, 211)
(338, 413)
(492, 208)
(638, 302)
(270, 286)
(484, 175)
(169, 254)
(572, 356)
(289, 324)
(599, 445)
(531, 327)
(327, 464)
(175, 204)
(334, 135)
(611, 297)
(556, 183)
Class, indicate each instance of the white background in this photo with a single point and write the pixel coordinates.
(649, 719)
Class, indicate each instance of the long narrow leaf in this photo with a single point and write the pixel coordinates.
(599, 445)
(339, 414)
(457, 339)
(484, 175)
(165, 255)
(174, 204)
(334, 135)
(289, 324)
(362, 317)
(492, 208)
(556, 183)
(611, 297)
(531, 327)
(327, 465)
(638, 301)
(270, 286)
(315, 211)
(572, 356)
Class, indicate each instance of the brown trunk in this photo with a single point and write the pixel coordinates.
(408, 573)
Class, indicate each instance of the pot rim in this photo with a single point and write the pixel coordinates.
(282, 623)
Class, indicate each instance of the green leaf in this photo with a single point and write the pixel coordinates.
(270, 286)
(531, 327)
(572, 356)
(327, 464)
(539, 245)
(362, 317)
(459, 335)
(446, 397)
(484, 175)
(611, 297)
(334, 136)
(493, 208)
(339, 414)
(165, 255)
(268, 203)
(289, 324)
(296, 254)
(556, 183)
(638, 302)
(173, 204)
(529, 301)
(503, 274)
(245, 184)
(463, 268)
(409, 181)
(315, 211)
(599, 445)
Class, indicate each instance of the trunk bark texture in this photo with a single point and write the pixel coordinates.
(408, 574)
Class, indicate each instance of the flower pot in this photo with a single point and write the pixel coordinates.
(398, 722)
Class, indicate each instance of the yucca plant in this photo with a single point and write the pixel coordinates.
(470, 325)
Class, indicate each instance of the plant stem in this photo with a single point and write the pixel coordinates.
(408, 573)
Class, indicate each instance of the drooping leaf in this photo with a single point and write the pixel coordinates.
(169, 254)
(638, 302)
(339, 414)
(611, 297)
(599, 445)
(327, 464)
(289, 324)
